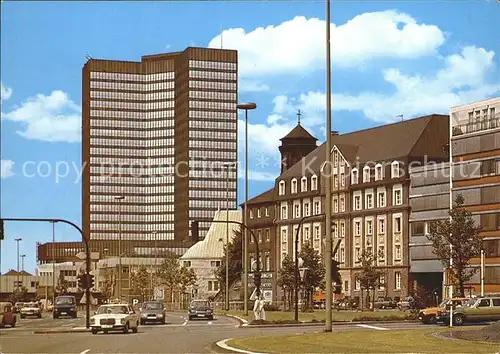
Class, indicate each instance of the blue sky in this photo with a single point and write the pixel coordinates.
(389, 58)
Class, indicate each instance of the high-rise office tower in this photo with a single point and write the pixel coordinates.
(156, 134)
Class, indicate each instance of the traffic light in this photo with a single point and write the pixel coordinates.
(90, 281)
(1, 230)
(82, 281)
(336, 278)
(257, 279)
(195, 233)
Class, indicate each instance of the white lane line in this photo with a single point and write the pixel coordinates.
(210, 322)
(222, 344)
(85, 351)
(373, 327)
(185, 322)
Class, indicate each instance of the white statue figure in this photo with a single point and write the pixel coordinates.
(258, 308)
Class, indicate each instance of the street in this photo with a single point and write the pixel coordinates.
(177, 336)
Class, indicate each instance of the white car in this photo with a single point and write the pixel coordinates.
(31, 309)
(114, 317)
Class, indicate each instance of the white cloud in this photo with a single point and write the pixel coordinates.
(258, 176)
(299, 44)
(49, 118)
(246, 85)
(463, 79)
(6, 168)
(5, 92)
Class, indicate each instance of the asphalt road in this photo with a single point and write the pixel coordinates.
(177, 336)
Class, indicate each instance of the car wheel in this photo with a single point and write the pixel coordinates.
(134, 329)
(39, 315)
(13, 324)
(162, 322)
(105, 331)
(125, 329)
(432, 319)
(459, 320)
(55, 316)
(143, 322)
(22, 316)
(211, 318)
(190, 318)
(94, 331)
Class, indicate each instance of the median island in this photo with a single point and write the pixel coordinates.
(426, 340)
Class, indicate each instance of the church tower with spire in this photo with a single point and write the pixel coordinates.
(295, 145)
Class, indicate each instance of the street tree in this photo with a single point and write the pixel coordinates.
(62, 284)
(314, 276)
(187, 279)
(286, 278)
(370, 275)
(139, 281)
(19, 294)
(107, 284)
(234, 251)
(169, 273)
(457, 240)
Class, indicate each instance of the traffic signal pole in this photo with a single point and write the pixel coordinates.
(87, 255)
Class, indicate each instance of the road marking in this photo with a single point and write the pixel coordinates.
(222, 344)
(210, 322)
(185, 322)
(373, 327)
(85, 351)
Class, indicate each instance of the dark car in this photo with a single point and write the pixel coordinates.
(152, 311)
(200, 309)
(65, 306)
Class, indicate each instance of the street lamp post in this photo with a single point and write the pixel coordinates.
(17, 242)
(246, 106)
(155, 269)
(53, 262)
(119, 198)
(22, 267)
(328, 181)
(227, 165)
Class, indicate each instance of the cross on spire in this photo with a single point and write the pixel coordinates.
(298, 116)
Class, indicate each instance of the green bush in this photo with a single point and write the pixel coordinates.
(409, 316)
(271, 307)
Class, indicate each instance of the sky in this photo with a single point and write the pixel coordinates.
(389, 58)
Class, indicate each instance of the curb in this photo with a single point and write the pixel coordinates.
(222, 344)
(55, 331)
(319, 324)
(242, 321)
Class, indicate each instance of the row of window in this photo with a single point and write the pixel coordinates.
(213, 115)
(139, 115)
(207, 183)
(214, 95)
(132, 96)
(138, 161)
(133, 128)
(132, 77)
(136, 86)
(266, 265)
(297, 212)
(121, 207)
(207, 134)
(262, 236)
(212, 125)
(193, 193)
(214, 75)
(212, 154)
(133, 198)
(206, 164)
(211, 145)
(144, 235)
(259, 212)
(134, 227)
(132, 105)
(214, 85)
(126, 152)
(125, 189)
(397, 226)
(147, 182)
(376, 173)
(215, 174)
(369, 202)
(195, 214)
(229, 106)
(123, 141)
(303, 185)
(382, 282)
(206, 64)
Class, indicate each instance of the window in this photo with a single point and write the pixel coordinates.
(266, 211)
(317, 210)
(395, 172)
(346, 285)
(306, 209)
(251, 213)
(397, 252)
(259, 236)
(381, 199)
(294, 186)
(187, 264)
(357, 285)
(258, 213)
(418, 229)
(307, 236)
(397, 280)
(357, 202)
(316, 232)
(369, 201)
(268, 262)
(357, 228)
(214, 264)
(369, 227)
(314, 183)
(381, 254)
(268, 235)
(366, 174)
(342, 254)
(296, 209)
(342, 179)
(381, 226)
(342, 229)
(342, 204)
(335, 205)
(378, 172)
(398, 197)
(381, 282)
(335, 181)
(496, 302)
(283, 212)
(484, 303)
(303, 185)
(354, 176)
(336, 158)
(284, 238)
(397, 224)
(282, 188)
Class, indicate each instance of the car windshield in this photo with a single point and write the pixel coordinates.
(152, 306)
(470, 303)
(200, 304)
(443, 303)
(30, 304)
(115, 310)
(65, 301)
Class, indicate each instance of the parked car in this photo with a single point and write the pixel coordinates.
(65, 306)
(429, 315)
(200, 309)
(407, 303)
(17, 307)
(385, 303)
(114, 317)
(480, 309)
(7, 315)
(152, 311)
(31, 309)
